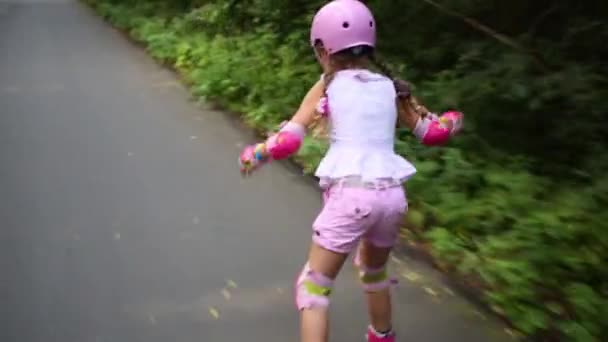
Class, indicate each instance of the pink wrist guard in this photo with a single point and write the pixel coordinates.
(434, 131)
(456, 118)
(278, 146)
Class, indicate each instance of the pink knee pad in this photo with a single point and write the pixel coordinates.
(374, 279)
(312, 289)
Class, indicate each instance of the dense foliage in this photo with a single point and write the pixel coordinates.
(518, 202)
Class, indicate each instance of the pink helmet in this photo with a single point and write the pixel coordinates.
(342, 24)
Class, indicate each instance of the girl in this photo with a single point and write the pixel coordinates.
(362, 176)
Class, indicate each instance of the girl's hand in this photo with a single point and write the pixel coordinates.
(252, 157)
(455, 121)
(278, 146)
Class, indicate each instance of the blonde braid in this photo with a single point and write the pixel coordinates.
(320, 125)
(405, 101)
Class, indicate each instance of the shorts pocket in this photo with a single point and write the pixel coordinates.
(354, 207)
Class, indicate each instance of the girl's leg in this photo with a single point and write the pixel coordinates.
(315, 320)
(372, 258)
(378, 301)
(345, 218)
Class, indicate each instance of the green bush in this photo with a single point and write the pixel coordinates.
(517, 202)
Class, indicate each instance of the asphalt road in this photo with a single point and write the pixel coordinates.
(123, 217)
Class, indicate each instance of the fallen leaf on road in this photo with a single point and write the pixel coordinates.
(480, 315)
(430, 291)
(510, 333)
(214, 313)
(226, 294)
(396, 260)
(411, 276)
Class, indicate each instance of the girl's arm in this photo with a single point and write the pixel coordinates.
(408, 117)
(427, 127)
(308, 108)
(289, 139)
(408, 108)
(430, 129)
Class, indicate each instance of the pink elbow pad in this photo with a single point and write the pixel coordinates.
(431, 131)
(286, 142)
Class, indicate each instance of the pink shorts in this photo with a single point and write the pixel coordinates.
(351, 214)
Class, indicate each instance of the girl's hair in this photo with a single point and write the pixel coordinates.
(362, 57)
(405, 100)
